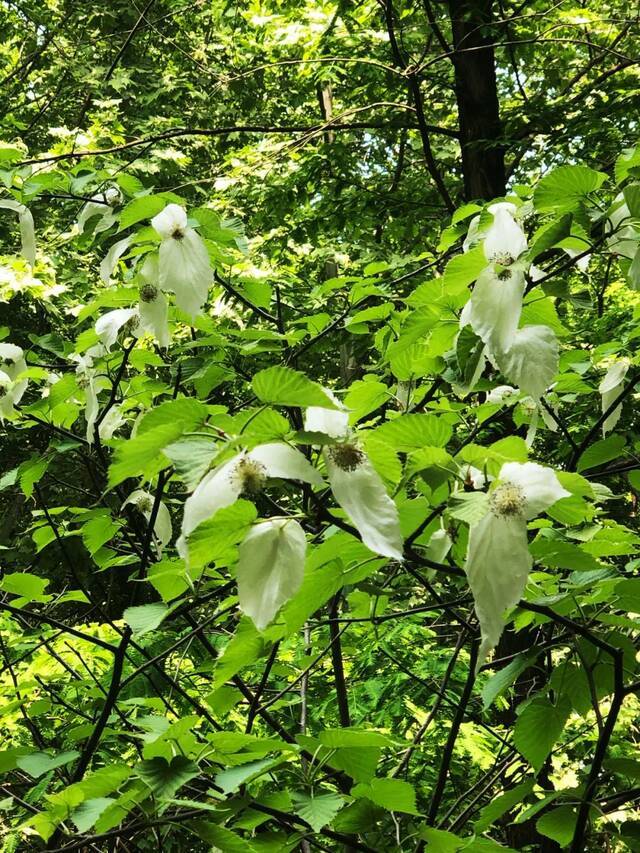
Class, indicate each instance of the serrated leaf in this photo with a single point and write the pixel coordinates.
(145, 617)
(538, 728)
(413, 431)
(231, 779)
(601, 451)
(39, 763)
(558, 824)
(145, 207)
(283, 386)
(392, 794)
(165, 778)
(565, 186)
(318, 810)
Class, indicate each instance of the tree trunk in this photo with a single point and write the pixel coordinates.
(477, 98)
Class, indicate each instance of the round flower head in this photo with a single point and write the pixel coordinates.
(152, 306)
(498, 559)
(183, 261)
(13, 365)
(244, 474)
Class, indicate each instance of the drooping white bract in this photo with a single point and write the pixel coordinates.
(531, 362)
(625, 238)
(184, 265)
(109, 325)
(495, 306)
(112, 257)
(270, 568)
(27, 229)
(87, 381)
(355, 483)
(162, 528)
(101, 205)
(610, 388)
(504, 240)
(111, 423)
(152, 307)
(12, 366)
(438, 546)
(498, 559)
(502, 394)
(246, 473)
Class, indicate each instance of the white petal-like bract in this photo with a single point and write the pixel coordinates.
(331, 422)
(539, 485)
(495, 307)
(112, 257)
(285, 462)
(610, 388)
(27, 230)
(185, 269)
(162, 529)
(153, 311)
(531, 362)
(173, 218)
(361, 493)
(497, 566)
(270, 568)
(505, 240)
(108, 326)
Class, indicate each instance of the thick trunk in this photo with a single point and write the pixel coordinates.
(477, 98)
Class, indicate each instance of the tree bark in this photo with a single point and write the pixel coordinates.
(477, 99)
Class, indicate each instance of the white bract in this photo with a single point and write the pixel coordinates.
(531, 362)
(87, 381)
(610, 388)
(12, 366)
(505, 240)
(494, 309)
(502, 394)
(162, 528)
(244, 474)
(109, 325)
(270, 568)
(498, 559)
(184, 266)
(111, 423)
(112, 257)
(355, 483)
(625, 238)
(101, 205)
(27, 230)
(152, 307)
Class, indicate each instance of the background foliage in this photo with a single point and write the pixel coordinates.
(332, 155)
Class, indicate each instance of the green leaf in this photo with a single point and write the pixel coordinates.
(190, 414)
(501, 805)
(504, 678)
(470, 507)
(220, 838)
(538, 727)
(245, 647)
(29, 587)
(230, 780)
(318, 810)
(565, 186)
(145, 207)
(284, 386)
(600, 452)
(558, 824)
(562, 555)
(145, 617)
(39, 763)
(411, 432)
(215, 540)
(98, 531)
(89, 811)
(365, 397)
(392, 794)
(191, 457)
(348, 737)
(165, 778)
(30, 472)
(463, 269)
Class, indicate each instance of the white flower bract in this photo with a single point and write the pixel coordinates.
(531, 362)
(27, 229)
(494, 309)
(162, 528)
(505, 240)
(184, 265)
(245, 473)
(610, 388)
(498, 559)
(270, 568)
